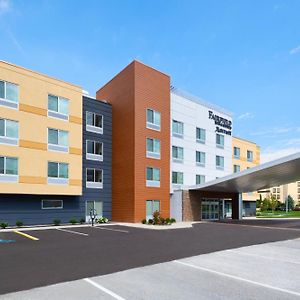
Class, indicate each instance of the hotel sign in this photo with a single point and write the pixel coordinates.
(221, 123)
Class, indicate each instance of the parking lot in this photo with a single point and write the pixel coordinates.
(131, 263)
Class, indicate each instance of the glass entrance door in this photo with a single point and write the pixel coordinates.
(210, 210)
(90, 205)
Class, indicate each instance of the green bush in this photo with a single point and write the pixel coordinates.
(19, 223)
(3, 225)
(102, 220)
(144, 221)
(168, 221)
(82, 220)
(56, 222)
(162, 221)
(150, 221)
(173, 220)
(73, 221)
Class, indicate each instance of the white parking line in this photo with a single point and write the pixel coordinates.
(105, 290)
(118, 230)
(71, 231)
(259, 226)
(238, 278)
(263, 256)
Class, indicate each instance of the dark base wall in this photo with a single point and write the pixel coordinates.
(28, 209)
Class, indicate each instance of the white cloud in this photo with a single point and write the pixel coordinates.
(5, 6)
(295, 50)
(245, 116)
(274, 131)
(272, 154)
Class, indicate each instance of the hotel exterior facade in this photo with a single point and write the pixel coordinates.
(128, 152)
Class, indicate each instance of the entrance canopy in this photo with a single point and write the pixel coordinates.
(277, 172)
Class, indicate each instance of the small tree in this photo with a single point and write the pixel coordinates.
(290, 202)
(273, 202)
(265, 204)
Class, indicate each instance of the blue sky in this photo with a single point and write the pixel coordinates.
(242, 55)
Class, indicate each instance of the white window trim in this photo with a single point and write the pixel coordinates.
(3, 101)
(6, 140)
(220, 167)
(177, 183)
(201, 141)
(93, 156)
(152, 154)
(93, 184)
(153, 183)
(150, 125)
(57, 180)
(9, 178)
(176, 159)
(176, 134)
(92, 128)
(56, 114)
(200, 163)
(61, 207)
(57, 147)
(220, 145)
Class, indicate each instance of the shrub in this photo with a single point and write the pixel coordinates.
(3, 225)
(19, 223)
(82, 220)
(297, 208)
(173, 220)
(73, 221)
(168, 221)
(162, 221)
(150, 221)
(56, 222)
(102, 220)
(144, 221)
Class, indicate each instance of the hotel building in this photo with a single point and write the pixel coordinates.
(130, 151)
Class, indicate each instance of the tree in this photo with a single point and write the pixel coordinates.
(273, 202)
(290, 202)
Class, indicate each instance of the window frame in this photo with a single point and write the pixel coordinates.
(152, 154)
(176, 134)
(6, 140)
(239, 151)
(199, 140)
(177, 159)
(93, 128)
(94, 156)
(151, 182)
(222, 138)
(199, 163)
(177, 183)
(57, 147)
(57, 114)
(57, 180)
(218, 167)
(235, 168)
(250, 159)
(6, 177)
(52, 200)
(200, 176)
(150, 125)
(10, 103)
(94, 184)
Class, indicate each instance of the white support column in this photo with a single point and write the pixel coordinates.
(240, 207)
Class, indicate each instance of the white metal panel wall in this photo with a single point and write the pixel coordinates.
(193, 115)
(176, 206)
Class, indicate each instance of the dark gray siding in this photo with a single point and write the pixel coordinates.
(28, 209)
(104, 195)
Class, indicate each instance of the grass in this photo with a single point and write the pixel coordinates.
(278, 214)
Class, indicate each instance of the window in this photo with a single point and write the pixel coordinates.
(58, 107)
(177, 153)
(236, 152)
(200, 179)
(94, 150)
(153, 148)
(153, 119)
(249, 155)
(58, 140)
(153, 177)
(220, 162)
(9, 132)
(8, 169)
(200, 135)
(52, 204)
(94, 178)
(177, 177)
(274, 190)
(58, 173)
(151, 207)
(200, 158)
(220, 140)
(236, 168)
(94, 122)
(9, 94)
(177, 128)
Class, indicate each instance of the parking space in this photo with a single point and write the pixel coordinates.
(263, 271)
(66, 254)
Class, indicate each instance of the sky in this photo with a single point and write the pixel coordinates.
(241, 55)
